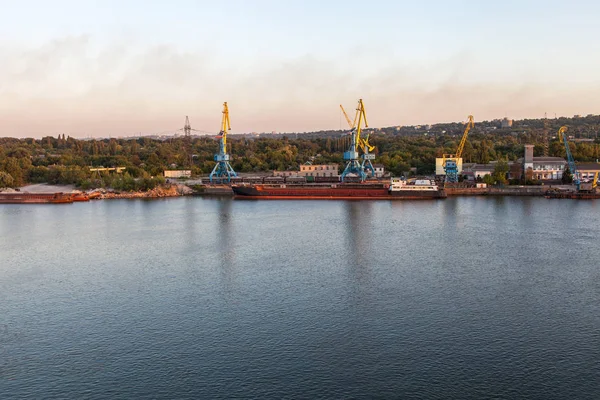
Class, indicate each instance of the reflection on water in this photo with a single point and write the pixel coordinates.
(358, 229)
(527, 207)
(225, 241)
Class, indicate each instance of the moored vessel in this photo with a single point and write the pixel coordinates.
(572, 195)
(80, 196)
(395, 189)
(35, 198)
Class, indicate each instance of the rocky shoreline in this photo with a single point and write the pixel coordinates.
(158, 192)
(168, 190)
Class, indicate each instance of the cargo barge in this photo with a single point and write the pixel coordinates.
(572, 195)
(396, 189)
(35, 198)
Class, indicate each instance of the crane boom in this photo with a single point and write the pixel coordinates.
(363, 143)
(225, 124)
(350, 123)
(461, 146)
(360, 115)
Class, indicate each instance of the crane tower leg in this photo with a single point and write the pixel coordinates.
(367, 165)
(222, 171)
(353, 166)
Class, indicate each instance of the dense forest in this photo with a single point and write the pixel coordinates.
(65, 160)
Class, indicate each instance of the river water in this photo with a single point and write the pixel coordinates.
(217, 298)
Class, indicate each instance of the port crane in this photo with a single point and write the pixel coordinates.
(450, 161)
(353, 165)
(223, 170)
(572, 167)
(364, 145)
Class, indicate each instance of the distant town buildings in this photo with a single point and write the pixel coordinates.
(506, 123)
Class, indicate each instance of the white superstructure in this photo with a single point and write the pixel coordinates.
(398, 184)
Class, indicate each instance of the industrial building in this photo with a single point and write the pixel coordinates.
(588, 169)
(539, 168)
(472, 171)
(324, 170)
(319, 170)
(542, 168)
(178, 173)
(285, 174)
(379, 170)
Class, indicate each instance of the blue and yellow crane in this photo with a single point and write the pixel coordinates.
(570, 159)
(223, 170)
(450, 161)
(353, 165)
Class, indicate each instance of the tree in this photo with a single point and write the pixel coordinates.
(6, 180)
(567, 176)
(500, 171)
(529, 174)
(12, 168)
(488, 179)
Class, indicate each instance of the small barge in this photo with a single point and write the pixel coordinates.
(572, 195)
(35, 198)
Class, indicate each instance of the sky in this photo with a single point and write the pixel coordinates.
(119, 68)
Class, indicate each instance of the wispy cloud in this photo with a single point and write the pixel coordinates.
(74, 85)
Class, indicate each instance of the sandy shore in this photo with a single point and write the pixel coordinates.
(45, 188)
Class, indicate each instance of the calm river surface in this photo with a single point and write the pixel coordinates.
(206, 298)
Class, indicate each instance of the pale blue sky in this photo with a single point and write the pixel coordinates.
(120, 67)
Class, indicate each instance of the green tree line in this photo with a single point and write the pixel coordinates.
(66, 160)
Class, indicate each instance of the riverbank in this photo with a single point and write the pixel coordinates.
(176, 190)
(169, 190)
